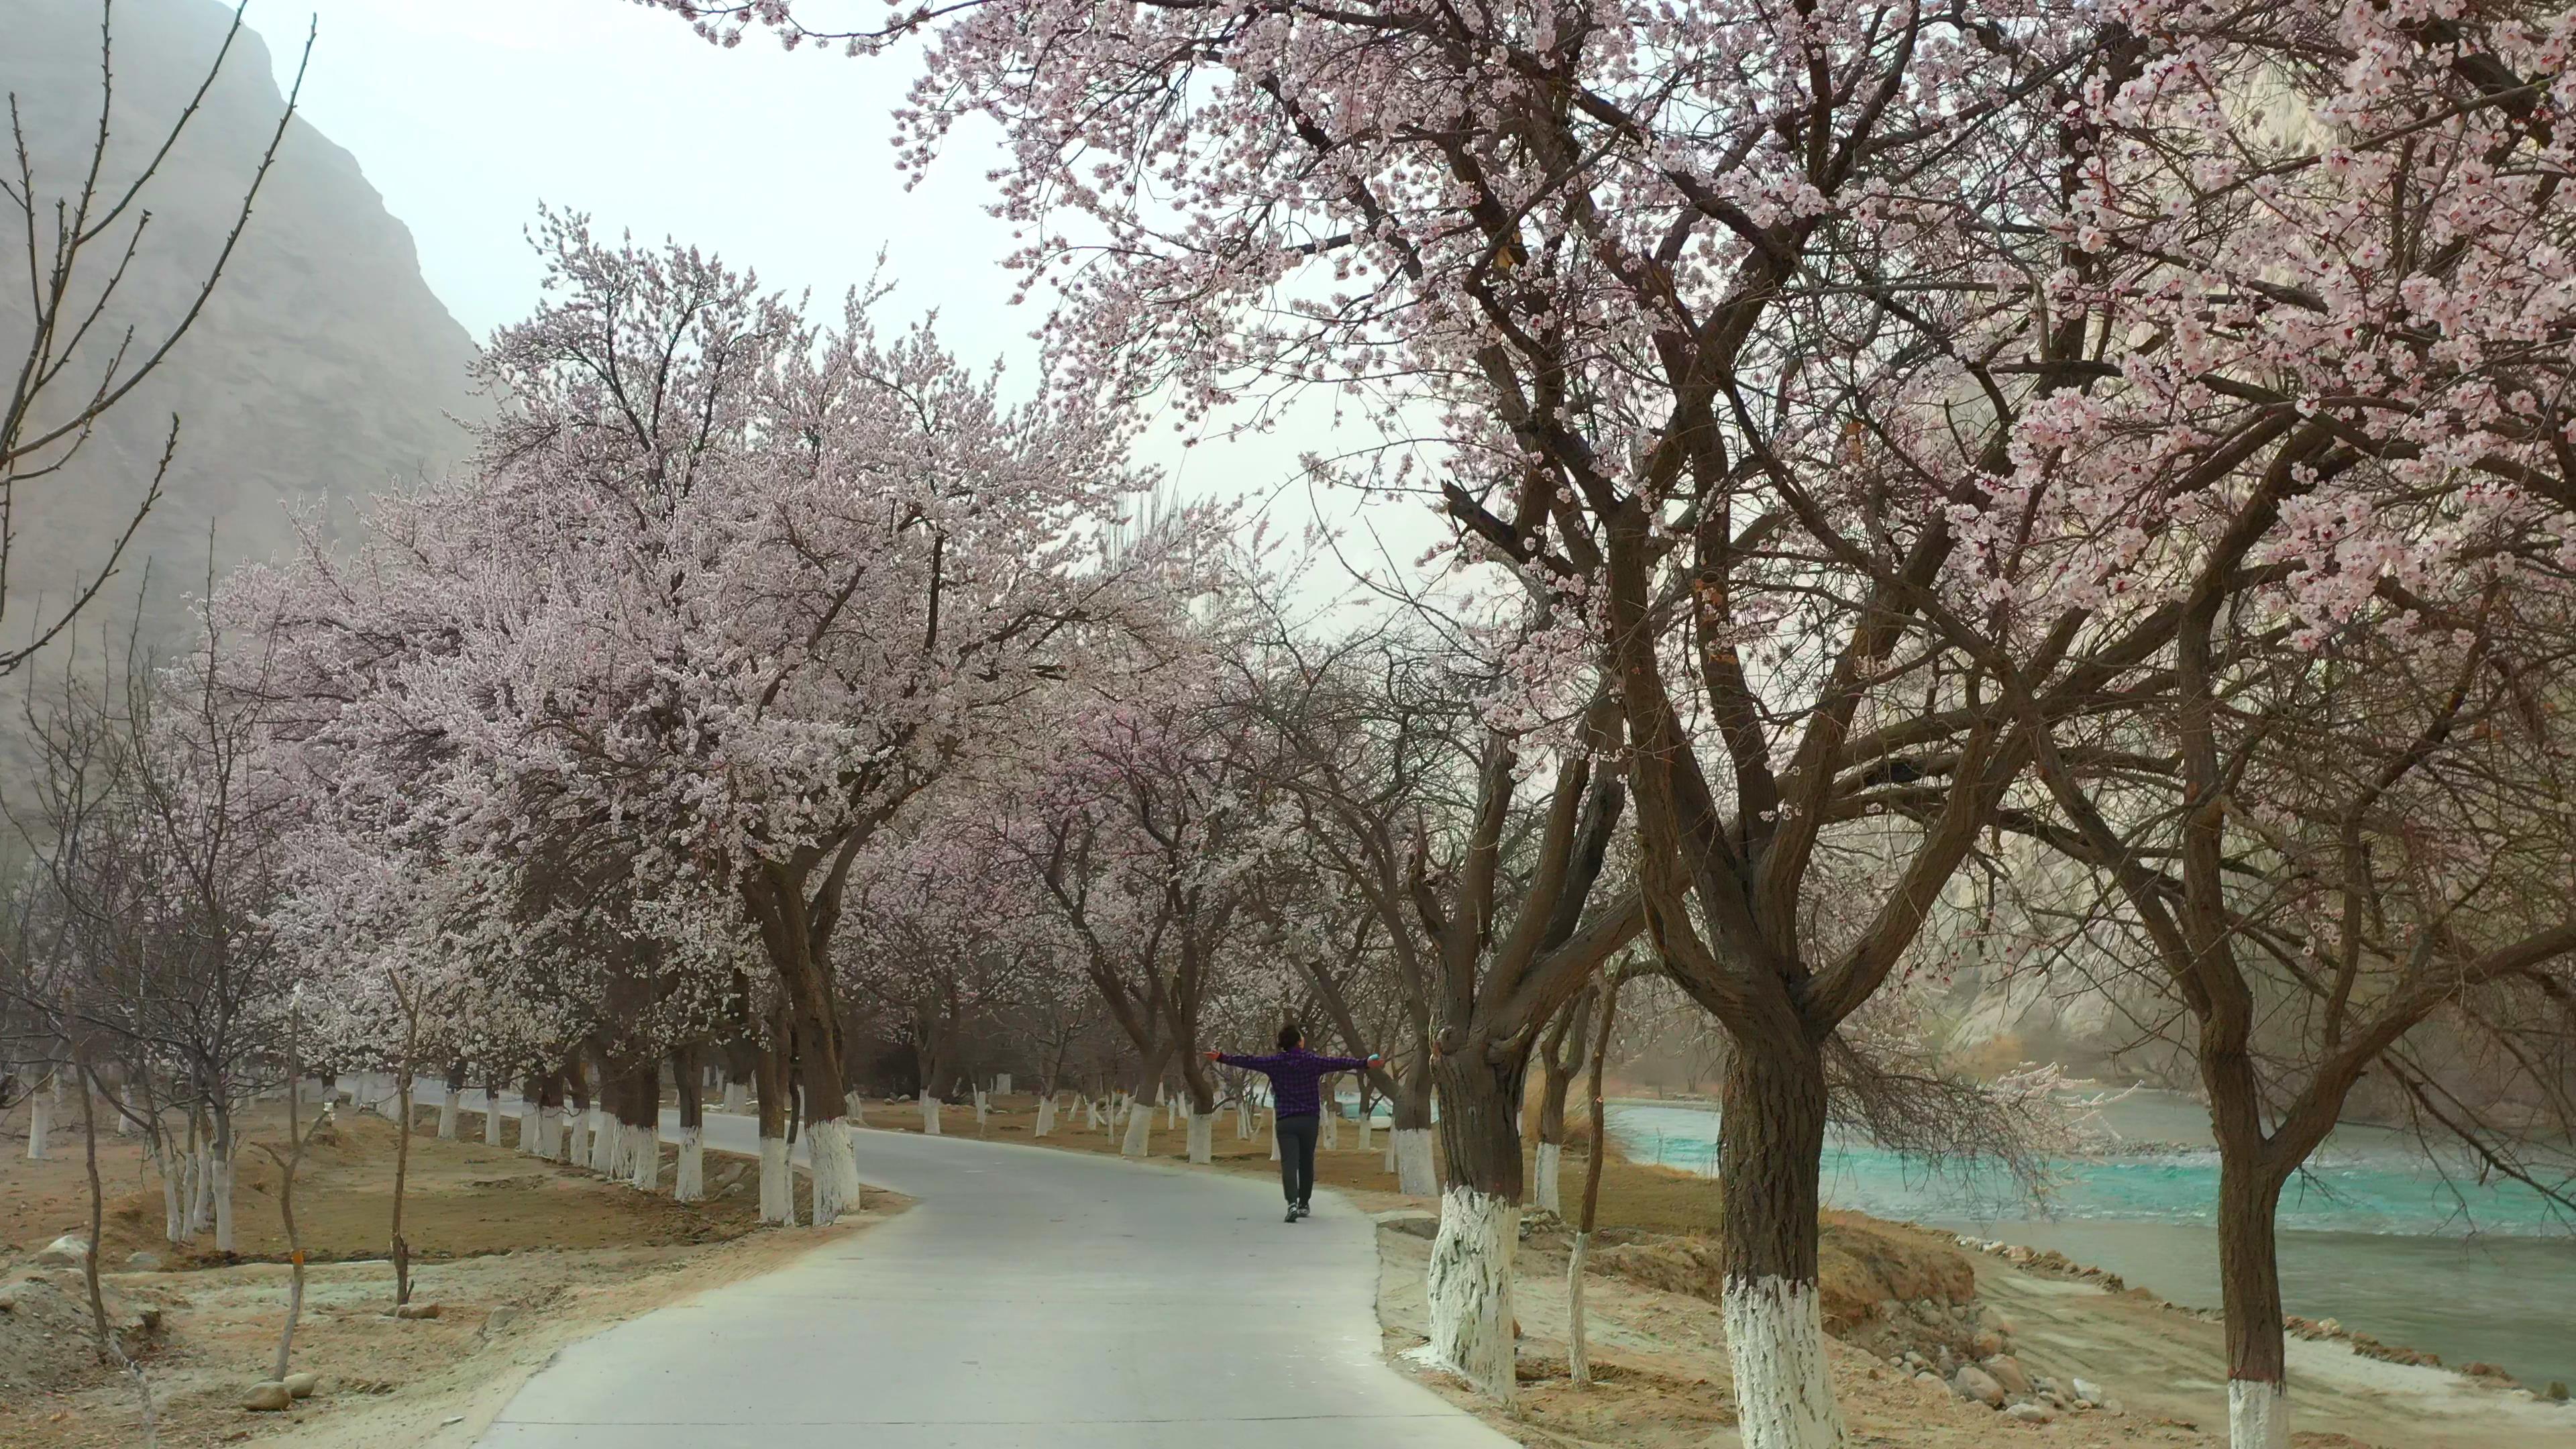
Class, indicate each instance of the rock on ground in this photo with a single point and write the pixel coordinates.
(1977, 1386)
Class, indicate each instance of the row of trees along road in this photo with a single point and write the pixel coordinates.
(2119, 453)
(1915, 415)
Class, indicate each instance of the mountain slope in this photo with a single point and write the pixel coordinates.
(322, 370)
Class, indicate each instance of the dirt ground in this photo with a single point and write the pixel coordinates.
(521, 1258)
(1660, 1356)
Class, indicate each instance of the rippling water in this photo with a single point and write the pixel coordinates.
(2394, 1243)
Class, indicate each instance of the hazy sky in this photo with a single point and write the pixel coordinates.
(467, 113)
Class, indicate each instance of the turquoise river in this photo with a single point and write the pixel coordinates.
(2392, 1241)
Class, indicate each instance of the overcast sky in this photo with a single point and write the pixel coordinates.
(467, 113)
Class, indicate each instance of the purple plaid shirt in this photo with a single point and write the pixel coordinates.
(1293, 1077)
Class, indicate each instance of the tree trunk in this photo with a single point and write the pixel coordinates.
(2249, 1272)
(1140, 1131)
(929, 1113)
(1578, 1347)
(1410, 1137)
(1771, 1145)
(40, 1123)
(220, 1176)
(447, 1108)
(492, 1111)
(777, 1177)
(640, 1127)
(402, 1177)
(1470, 1284)
(1202, 1138)
(689, 1184)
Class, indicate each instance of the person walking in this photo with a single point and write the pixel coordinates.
(1297, 1110)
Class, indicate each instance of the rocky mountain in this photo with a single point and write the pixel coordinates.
(321, 371)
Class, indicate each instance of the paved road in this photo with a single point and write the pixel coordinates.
(1033, 1298)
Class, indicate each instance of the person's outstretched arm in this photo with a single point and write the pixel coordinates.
(1349, 1064)
(1258, 1064)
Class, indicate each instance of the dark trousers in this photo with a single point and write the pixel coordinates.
(1297, 1156)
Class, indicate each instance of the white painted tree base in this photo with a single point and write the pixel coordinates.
(603, 1144)
(174, 1227)
(1413, 1174)
(1140, 1133)
(1551, 1160)
(491, 1119)
(40, 1126)
(1578, 1345)
(777, 1184)
(2258, 1415)
(835, 1168)
(1274, 1136)
(643, 1152)
(929, 1115)
(1470, 1290)
(1775, 1337)
(689, 1184)
(1202, 1137)
(736, 1098)
(220, 1173)
(1330, 1136)
(1046, 1117)
(447, 1119)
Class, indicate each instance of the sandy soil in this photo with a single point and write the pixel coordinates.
(521, 1258)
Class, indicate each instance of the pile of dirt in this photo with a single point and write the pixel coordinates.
(47, 1337)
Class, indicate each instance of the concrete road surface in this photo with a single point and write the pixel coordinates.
(1034, 1298)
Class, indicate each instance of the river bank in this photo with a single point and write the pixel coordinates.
(2384, 1242)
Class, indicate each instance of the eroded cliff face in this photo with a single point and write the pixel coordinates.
(321, 371)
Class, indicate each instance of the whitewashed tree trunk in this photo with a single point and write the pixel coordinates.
(219, 1172)
(568, 1143)
(1171, 1110)
(736, 1097)
(835, 1168)
(1784, 1392)
(1578, 1347)
(124, 1118)
(40, 1124)
(1001, 1084)
(174, 1221)
(1243, 1120)
(983, 1108)
(1470, 1289)
(644, 1157)
(1202, 1137)
(1413, 1162)
(1331, 1135)
(603, 1143)
(1140, 1133)
(201, 1202)
(1274, 1134)
(1551, 1161)
(529, 1114)
(929, 1115)
(690, 1184)
(777, 1183)
(1366, 1124)
(855, 1108)
(2258, 1415)
(447, 1118)
(1046, 1117)
(491, 1119)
